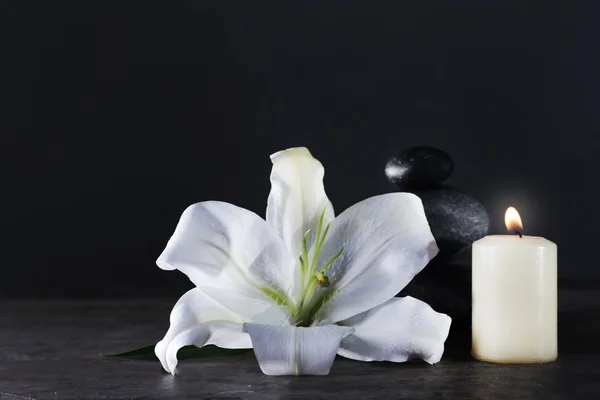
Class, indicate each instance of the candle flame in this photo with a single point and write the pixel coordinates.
(512, 219)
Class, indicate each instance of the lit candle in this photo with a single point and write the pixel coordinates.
(514, 297)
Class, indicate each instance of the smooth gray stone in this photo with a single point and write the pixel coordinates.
(50, 349)
(421, 166)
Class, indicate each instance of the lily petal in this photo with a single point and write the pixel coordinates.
(275, 315)
(225, 334)
(297, 197)
(387, 241)
(291, 350)
(195, 308)
(244, 302)
(221, 245)
(398, 330)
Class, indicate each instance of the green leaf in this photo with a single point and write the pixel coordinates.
(185, 353)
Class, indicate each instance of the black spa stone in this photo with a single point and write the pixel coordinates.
(457, 219)
(419, 167)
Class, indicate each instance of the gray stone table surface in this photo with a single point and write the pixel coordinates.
(49, 349)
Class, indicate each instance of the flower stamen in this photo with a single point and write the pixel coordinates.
(304, 256)
(311, 278)
(322, 280)
(332, 259)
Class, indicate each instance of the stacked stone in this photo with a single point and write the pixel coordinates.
(456, 219)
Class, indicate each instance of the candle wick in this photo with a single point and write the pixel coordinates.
(520, 234)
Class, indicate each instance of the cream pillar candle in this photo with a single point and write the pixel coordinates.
(514, 297)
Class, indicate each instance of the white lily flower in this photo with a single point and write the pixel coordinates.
(303, 286)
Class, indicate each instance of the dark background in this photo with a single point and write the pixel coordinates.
(117, 115)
